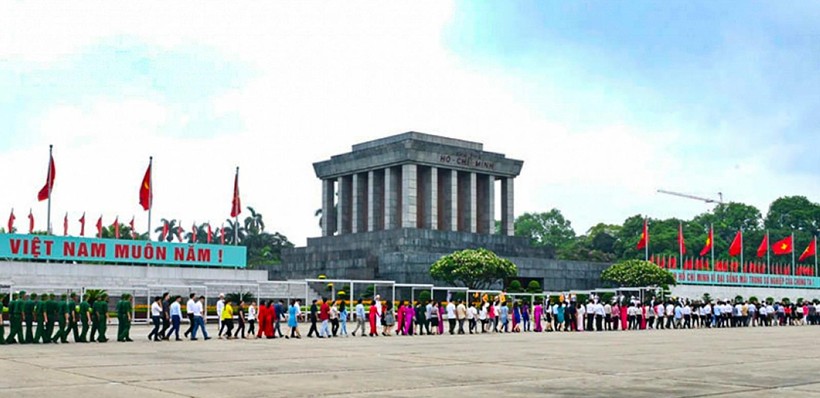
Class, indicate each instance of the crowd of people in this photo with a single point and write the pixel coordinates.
(46, 319)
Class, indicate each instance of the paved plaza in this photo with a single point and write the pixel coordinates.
(751, 362)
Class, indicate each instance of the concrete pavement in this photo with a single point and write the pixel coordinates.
(749, 362)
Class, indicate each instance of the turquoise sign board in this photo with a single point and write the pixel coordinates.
(744, 279)
(67, 248)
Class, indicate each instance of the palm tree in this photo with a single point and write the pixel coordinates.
(254, 224)
(201, 234)
(172, 226)
(230, 235)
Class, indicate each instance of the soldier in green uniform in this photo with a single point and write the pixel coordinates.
(28, 305)
(124, 318)
(85, 318)
(41, 314)
(51, 317)
(2, 324)
(73, 317)
(101, 310)
(15, 320)
(62, 317)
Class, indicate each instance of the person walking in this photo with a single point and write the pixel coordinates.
(409, 316)
(451, 316)
(52, 308)
(324, 316)
(252, 320)
(504, 315)
(101, 309)
(227, 321)
(166, 314)
(16, 314)
(156, 315)
(516, 324)
(28, 303)
(41, 314)
(421, 318)
(240, 318)
(537, 313)
(85, 317)
(373, 317)
(343, 318)
(435, 318)
(199, 319)
(61, 334)
(189, 313)
(124, 318)
(334, 319)
(279, 310)
(313, 316)
(360, 318)
(175, 311)
(293, 320)
(472, 315)
(220, 307)
(389, 319)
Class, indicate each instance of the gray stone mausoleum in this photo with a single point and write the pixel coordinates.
(393, 206)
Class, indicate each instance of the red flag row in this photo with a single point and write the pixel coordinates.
(750, 267)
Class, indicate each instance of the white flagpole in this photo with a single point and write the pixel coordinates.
(646, 237)
(236, 217)
(741, 249)
(815, 255)
(48, 183)
(712, 243)
(768, 256)
(792, 273)
(680, 244)
(150, 192)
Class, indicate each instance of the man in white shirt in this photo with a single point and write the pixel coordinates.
(659, 313)
(461, 316)
(472, 314)
(598, 309)
(451, 316)
(220, 306)
(608, 316)
(199, 319)
(156, 313)
(752, 308)
(590, 316)
(176, 318)
(670, 315)
(189, 311)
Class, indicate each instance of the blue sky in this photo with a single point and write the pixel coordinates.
(604, 101)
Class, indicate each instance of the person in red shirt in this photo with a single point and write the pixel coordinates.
(373, 315)
(324, 315)
(262, 317)
(270, 313)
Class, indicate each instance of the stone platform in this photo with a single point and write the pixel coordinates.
(405, 255)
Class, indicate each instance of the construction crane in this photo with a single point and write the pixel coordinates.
(683, 195)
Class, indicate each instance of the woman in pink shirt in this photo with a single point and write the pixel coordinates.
(409, 314)
(537, 312)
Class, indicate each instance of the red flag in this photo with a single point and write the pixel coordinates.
(193, 233)
(165, 229)
(652, 259)
(764, 246)
(673, 262)
(82, 225)
(681, 241)
(117, 227)
(99, 227)
(209, 233)
(11, 222)
(45, 192)
(30, 222)
(236, 207)
(222, 234)
(146, 194)
(783, 246)
(811, 250)
(737, 244)
(179, 232)
(709, 240)
(65, 225)
(133, 230)
(644, 235)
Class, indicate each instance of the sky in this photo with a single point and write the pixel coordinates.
(605, 102)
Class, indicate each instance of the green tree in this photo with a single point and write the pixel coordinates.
(548, 229)
(638, 273)
(254, 223)
(232, 237)
(473, 268)
(172, 227)
(534, 287)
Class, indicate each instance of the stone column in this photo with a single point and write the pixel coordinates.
(491, 205)
(431, 200)
(472, 221)
(507, 211)
(344, 207)
(360, 204)
(355, 205)
(371, 203)
(409, 195)
(328, 209)
(390, 198)
(448, 183)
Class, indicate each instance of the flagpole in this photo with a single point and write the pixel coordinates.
(815, 255)
(712, 243)
(792, 272)
(236, 217)
(768, 256)
(48, 183)
(741, 249)
(646, 246)
(150, 192)
(680, 244)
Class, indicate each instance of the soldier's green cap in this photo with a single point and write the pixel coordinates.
(33, 295)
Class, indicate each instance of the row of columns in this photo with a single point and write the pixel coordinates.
(415, 196)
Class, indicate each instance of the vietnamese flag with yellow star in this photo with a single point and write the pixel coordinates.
(709, 240)
(146, 196)
(783, 246)
(811, 250)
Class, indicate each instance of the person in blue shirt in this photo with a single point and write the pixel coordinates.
(505, 315)
(293, 322)
(280, 315)
(525, 316)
